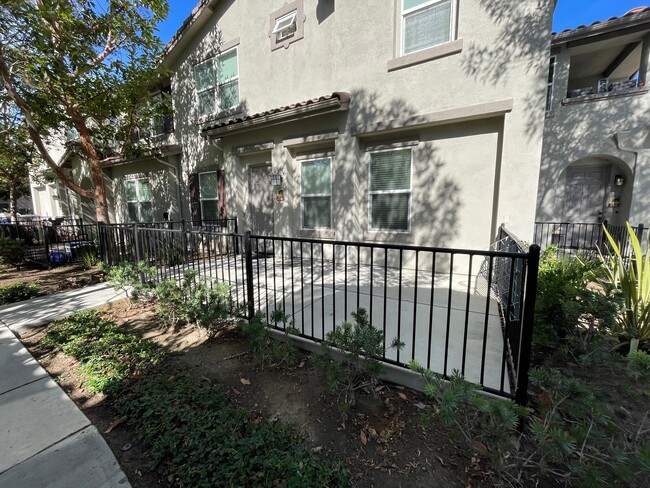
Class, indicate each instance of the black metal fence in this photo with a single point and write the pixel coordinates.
(453, 309)
(50, 242)
(572, 237)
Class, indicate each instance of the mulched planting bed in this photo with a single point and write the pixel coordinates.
(53, 280)
(382, 443)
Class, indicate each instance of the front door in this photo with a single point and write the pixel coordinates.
(584, 201)
(260, 200)
(585, 194)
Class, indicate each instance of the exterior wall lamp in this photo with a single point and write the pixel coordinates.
(619, 180)
(276, 177)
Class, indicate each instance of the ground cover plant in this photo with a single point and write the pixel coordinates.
(199, 440)
(107, 355)
(18, 292)
(12, 251)
(195, 436)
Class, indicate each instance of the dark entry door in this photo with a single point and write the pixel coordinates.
(584, 203)
(260, 200)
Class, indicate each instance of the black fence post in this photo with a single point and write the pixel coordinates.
(184, 242)
(639, 234)
(100, 241)
(48, 263)
(248, 251)
(527, 323)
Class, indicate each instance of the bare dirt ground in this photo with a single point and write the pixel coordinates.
(382, 443)
(52, 280)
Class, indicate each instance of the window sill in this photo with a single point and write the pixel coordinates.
(388, 237)
(317, 233)
(429, 54)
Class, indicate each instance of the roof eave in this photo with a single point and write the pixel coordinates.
(593, 32)
(281, 117)
(190, 26)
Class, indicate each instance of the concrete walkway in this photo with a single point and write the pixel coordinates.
(45, 440)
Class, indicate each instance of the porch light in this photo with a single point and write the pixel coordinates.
(619, 180)
(276, 177)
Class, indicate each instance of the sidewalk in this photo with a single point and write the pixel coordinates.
(45, 440)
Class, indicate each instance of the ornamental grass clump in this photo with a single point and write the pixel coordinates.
(632, 281)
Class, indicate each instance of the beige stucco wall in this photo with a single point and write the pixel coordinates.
(609, 131)
(164, 188)
(471, 176)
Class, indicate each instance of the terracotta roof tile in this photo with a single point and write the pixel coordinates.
(343, 97)
(634, 11)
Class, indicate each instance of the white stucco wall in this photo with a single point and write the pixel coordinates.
(613, 130)
(489, 168)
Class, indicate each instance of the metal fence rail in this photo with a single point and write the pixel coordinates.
(453, 309)
(53, 242)
(572, 237)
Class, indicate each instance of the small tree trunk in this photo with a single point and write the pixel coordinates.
(100, 199)
(13, 203)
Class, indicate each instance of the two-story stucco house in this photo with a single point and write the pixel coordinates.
(409, 121)
(596, 153)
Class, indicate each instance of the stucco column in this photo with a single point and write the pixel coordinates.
(644, 76)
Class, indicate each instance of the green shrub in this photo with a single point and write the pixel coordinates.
(170, 303)
(209, 306)
(194, 301)
(271, 352)
(566, 309)
(638, 365)
(573, 436)
(359, 367)
(107, 354)
(132, 279)
(89, 257)
(18, 292)
(489, 423)
(12, 251)
(198, 439)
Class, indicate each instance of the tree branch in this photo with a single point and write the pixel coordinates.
(34, 133)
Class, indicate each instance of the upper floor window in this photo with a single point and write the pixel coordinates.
(139, 206)
(426, 23)
(389, 192)
(285, 26)
(217, 83)
(162, 121)
(316, 193)
(209, 195)
(549, 86)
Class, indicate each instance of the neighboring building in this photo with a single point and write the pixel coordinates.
(409, 121)
(596, 155)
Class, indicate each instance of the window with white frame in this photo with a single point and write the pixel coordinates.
(285, 26)
(316, 193)
(217, 83)
(389, 190)
(549, 87)
(427, 23)
(209, 195)
(139, 206)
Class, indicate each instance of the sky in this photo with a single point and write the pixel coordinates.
(568, 14)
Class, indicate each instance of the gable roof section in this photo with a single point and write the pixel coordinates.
(335, 102)
(636, 19)
(197, 19)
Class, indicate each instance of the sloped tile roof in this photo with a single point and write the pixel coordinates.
(342, 97)
(631, 13)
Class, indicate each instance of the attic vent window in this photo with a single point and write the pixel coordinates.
(285, 26)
